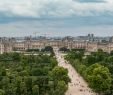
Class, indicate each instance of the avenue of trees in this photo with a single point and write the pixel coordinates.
(31, 75)
(96, 68)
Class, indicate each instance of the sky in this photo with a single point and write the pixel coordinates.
(56, 17)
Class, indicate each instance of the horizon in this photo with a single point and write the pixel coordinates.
(46, 36)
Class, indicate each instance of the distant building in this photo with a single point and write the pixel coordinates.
(90, 43)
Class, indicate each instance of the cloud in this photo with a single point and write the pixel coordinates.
(90, 1)
(55, 15)
(54, 8)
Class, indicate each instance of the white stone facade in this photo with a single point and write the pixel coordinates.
(9, 46)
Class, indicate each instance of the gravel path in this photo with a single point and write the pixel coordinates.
(77, 86)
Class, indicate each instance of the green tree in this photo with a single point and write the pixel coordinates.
(16, 56)
(48, 49)
(23, 88)
(59, 73)
(35, 90)
(2, 92)
(99, 77)
(61, 88)
(64, 49)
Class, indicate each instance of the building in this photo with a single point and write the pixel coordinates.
(23, 44)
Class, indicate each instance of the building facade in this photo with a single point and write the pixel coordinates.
(10, 45)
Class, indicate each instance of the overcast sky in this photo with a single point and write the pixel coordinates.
(56, 17)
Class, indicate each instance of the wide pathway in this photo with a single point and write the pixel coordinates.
(77, 86)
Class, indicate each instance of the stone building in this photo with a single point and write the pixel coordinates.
(9, 45)
(6, 45)
(94, 46)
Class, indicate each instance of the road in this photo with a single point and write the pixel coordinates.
(77, 86)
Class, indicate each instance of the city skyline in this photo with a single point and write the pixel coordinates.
(56, 17)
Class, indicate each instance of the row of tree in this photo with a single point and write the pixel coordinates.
(96, 69)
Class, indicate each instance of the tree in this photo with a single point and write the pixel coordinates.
(90, 59)
(35, 90)
(75, 55)
(23, 88)
(38, 71)
(64, 49)
(2, 92)
(99, 55)
(3, 72)
(24, 59)
(111, 53)
(29, 75)
(53, 62)
(16, 56)
(59, 73)
(110, 59)
(32, 50)
(60, 88)
(99, 77)
(48, 49)
(24, 73)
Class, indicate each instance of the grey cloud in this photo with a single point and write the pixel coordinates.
(54, 8)
(91, 1)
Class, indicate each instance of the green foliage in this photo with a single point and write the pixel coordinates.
(61, 88)
(32, 50)
(10, 57)
(98, 76)
(111, 53)
(59, 73)
(35, 90)
(76, 54)
(2, 92)
(30, 75)
(47, 49)
(59, 81)
(64, 49)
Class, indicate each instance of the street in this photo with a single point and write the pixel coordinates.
(77, 86)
